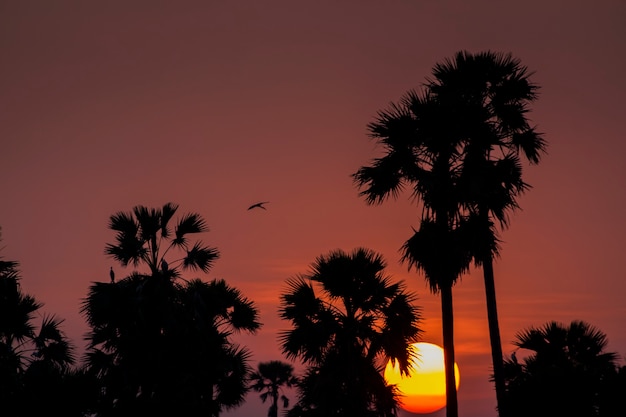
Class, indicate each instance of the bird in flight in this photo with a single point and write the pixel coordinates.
(258, 205)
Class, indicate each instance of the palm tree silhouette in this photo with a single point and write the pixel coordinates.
(457, 144)
(422, 149)
(158, 342)
(268, 379)
(487, 96)
(145, 236)
(348, 320)
(35, 361)
(46, 377)
(565, 373)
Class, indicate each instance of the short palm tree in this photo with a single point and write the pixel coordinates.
(159, 342)
(49, 370)
(17, 314)
(348, 320)
(565, 372)
(35, 361)
(269, 379)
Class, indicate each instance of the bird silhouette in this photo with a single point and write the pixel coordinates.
(112, 275)
(258, 205)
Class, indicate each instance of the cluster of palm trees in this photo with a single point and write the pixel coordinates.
(160, 343)
(457, 144)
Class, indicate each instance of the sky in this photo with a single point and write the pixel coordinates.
(215, 105)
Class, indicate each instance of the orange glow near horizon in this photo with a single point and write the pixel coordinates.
(424, 390)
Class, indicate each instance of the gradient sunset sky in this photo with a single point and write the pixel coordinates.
(214, 105)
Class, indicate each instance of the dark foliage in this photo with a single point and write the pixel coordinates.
(348, 320)
(160, 344)
(567, 373)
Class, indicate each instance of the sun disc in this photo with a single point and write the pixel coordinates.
(424, 389)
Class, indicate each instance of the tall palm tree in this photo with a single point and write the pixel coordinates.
(422, 149)
(160, 342)
(348, 320)
(269, 379)
(458, 145)
(565, 372)
(488, 95)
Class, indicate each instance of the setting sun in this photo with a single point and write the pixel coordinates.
(424, 389)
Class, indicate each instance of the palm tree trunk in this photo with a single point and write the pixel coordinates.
(447, 319)
(494, 335)
(273, 412)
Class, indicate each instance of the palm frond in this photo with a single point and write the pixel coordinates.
(124, 223)
(531, 143)
(16, 309)
(299, 301)
(49, 330)
(398, 130)
(167, 212)
(379, 181)
(99, 362)
(264, 396)
(8, 267)
(200, 257)
(149, 220)
(243, 314)
(401, 329)
(480, 236)
(51, 344)
(189, 223)
(442, 254)
(309, 341)
(231, 388)
(129, 250)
